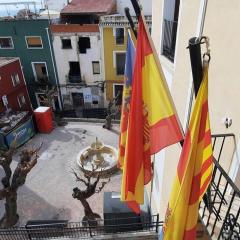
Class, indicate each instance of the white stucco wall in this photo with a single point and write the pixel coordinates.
(146, 5)
(64, 56)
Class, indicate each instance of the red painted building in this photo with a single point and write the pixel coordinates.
(13, 90)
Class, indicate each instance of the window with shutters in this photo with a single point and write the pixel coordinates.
(96, 67)
(21, 100)
(6, 42)
(119, 32)
(15, 79)
(34, 42)
(120, 62)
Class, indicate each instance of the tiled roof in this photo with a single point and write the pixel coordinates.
(90, 7)
(74, 28)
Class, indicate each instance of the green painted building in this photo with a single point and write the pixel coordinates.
(31, 41)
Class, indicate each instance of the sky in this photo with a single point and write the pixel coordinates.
(6, 10)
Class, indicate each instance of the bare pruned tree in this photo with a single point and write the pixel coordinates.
(50, 94)
(13, 180)
(91, 187)
(112, 110)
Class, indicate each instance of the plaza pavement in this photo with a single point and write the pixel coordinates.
(47, 193)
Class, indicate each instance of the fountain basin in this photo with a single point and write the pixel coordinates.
(100, 156)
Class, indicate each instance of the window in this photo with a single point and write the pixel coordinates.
(74, 75)
(34, 42)
(96, 67)
(40, 72)
(119, 35)
(21, 100)
(84, 44)
(120, 63)
(66, 44)
(118, 90)
(6, 42)
(170, 25)
(15, 79)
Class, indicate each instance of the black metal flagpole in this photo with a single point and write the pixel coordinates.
(136, 7)
(196, 62)
(128, 16)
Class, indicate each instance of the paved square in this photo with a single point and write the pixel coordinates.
(47, 193)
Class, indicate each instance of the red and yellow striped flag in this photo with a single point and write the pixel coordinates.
(194, 172)
(153, 122)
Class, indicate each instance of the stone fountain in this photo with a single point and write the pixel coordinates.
(100, 156)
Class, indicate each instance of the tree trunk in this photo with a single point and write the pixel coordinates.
(87, 209)
(90, 217)
(10, 217)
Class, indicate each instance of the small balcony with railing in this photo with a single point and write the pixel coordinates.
(220, 209)
(117, 19)
(74, 79)
(169, 39)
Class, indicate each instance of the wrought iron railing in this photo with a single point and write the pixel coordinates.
(81, 230)
(169, 38)
(221, 216)
(121, 20)
(74, 79)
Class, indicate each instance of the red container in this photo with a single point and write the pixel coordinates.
(44, 121)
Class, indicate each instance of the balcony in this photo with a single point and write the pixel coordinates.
(169, 39)
(220, 212)
(120, 20)
(43, 80)
(100, 229)
(74, 79)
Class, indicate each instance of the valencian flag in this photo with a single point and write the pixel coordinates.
(152, 124)
(194, 172)
(128, 74)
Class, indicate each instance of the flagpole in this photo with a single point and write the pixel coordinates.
(128, 16)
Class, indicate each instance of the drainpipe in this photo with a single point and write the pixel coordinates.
(55, 73)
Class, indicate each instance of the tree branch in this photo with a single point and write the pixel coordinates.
(28, 159)
(102, 186)
(78, 179)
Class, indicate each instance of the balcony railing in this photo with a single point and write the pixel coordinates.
(221, 214)
(121, 20)
(169, 39)
(86, 230)
(74, 79)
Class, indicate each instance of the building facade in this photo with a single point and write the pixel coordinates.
(114, 31)
(13, 90)
(79, 64)
(30, 40)
(179, 22)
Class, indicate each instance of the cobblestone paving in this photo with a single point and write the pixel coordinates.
(47, 193)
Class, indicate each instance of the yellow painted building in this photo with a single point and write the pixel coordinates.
(114, 39)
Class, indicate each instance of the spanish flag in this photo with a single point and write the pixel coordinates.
(128, 74)
(194, 172)
(152, 123)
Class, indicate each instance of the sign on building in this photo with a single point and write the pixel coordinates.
(87, 95)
